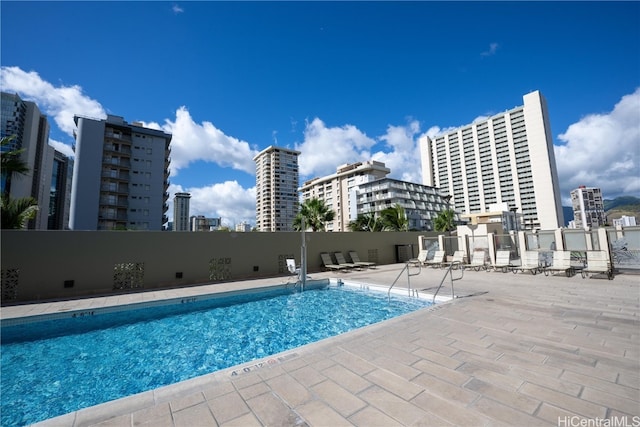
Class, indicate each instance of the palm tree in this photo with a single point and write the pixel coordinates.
(394, 218)
(315, 214)
(366, 222)
(14, 213)
(445, 221)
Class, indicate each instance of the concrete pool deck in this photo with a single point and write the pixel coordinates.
(513, 350)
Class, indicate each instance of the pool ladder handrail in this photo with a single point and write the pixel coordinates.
(406, 267)
(450, 274)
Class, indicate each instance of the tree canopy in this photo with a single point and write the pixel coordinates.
(14, 213)
(445, 221)
(315, 213)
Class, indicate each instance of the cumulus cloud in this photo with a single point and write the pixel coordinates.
(602, 150)
(61, 103)
(193, 141)
(325, 148)
(177, 9)
(227, 200)
(403, 152)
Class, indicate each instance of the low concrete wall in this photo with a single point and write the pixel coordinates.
(40, 265)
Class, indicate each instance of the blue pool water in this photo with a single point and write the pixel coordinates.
(58, 366)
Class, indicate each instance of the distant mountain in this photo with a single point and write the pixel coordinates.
(614, 209)
(621, 201)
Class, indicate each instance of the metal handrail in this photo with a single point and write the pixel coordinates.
(450, 274)
(406, 267)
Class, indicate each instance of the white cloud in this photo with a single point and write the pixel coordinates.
(227, 200)
(324, 149)
(61, 103)
(62, 147)
(602, 150)
(403, 154)
(192, 142)
(493, 48)
(177, 9)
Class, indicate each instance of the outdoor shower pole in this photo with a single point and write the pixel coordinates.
(303, 258)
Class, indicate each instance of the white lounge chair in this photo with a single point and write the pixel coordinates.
(436, 261)
(530, 263)
(561, 263)
(503, 261)
(291, 266)
(456, 261)
(477, 261)
(355, 258)
(597, 262)
(329, 265)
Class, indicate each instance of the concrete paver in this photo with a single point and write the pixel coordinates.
(511, 350)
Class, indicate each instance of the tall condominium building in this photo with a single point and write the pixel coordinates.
(30, 129)
(588, 207)
(121, 176)
(277, 201)
(60, 194)
(181, 221)
(507, 158)
(334, 190)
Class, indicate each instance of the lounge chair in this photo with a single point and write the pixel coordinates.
(477, 261)
(436, 261)
(293, 269)
(356, 260)
(503, 261)
(456, 261)
(329, 265)
(342, 261)
(422, 257)
(561, 263)
(530, 263)
(597, 262)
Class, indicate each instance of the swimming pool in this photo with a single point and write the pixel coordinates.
(52, 367)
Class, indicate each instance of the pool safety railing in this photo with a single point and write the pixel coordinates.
(449, 273)
(406, 268)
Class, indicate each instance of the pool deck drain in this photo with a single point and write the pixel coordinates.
(520, 350)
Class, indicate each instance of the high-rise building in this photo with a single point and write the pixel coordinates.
(421, 203)
(120, 176)
(181, 221)
(334, 190)
(30, 129)
(507, 158)
(364, 188)
(60, 194)
(588, 207)
(202, 223)
(277, 201)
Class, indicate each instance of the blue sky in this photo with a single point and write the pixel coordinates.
(339, 81)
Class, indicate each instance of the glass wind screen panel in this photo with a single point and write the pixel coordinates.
(575, 241)
(547, 240)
